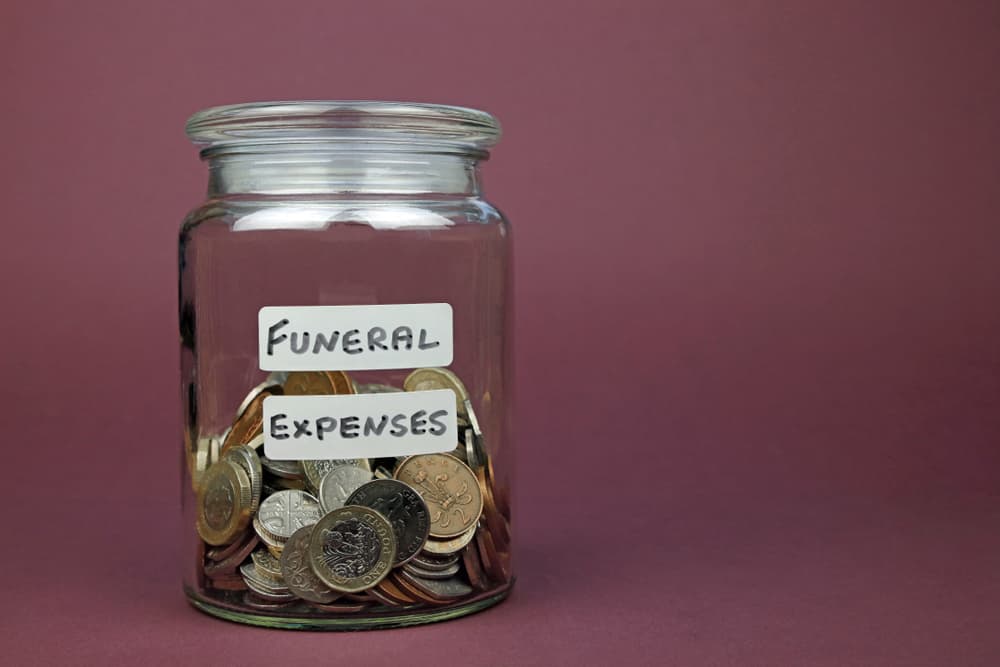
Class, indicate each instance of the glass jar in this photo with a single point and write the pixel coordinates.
(345, 321)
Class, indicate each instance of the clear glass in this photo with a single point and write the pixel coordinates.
(341, 203)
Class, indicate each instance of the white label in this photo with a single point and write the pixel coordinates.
(355, 426)
(352, 338)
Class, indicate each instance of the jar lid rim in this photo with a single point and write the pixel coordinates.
(305, 121)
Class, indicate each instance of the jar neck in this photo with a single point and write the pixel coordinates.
(338, 170)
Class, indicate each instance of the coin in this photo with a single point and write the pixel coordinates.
(222, 553)
(389, 588)
(352, 548)
(249, 424)
(230, 563)
(262, 585)
(308, 383)
(449, 488)
(454, 545)
(267, 565)
(342, 608)
(418, 571)
(223, 503)
(268, 386)
(284, 512)
(256, 601)
(494, 522)
(426, 379)
(473, 566)
(229, 584)
(315, 470)
(403, 507)
(495, 563)
(375, 388)
(298, 574)
(272, 541)
(339, 483)
(426, 561)
(246, 458)
(284, 469)
(382, 598)
(437, 590)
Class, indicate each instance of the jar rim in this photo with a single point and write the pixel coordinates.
(375, 123)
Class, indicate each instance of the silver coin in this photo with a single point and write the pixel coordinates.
(340, 483)
(444, 590)
(266, 385)
(375, 388)
(259, 584)
(246, 458)
(434, 563)
(298, 574)
(418, 571)
(405, 510)
(284, 512)
(315, 471)
(286, 469)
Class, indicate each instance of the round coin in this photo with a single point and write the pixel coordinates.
(246, 458)
(284, 512)
(454, 545)
(340, 483)
(284, 469)
(248, 425)
(308, 383)
(229, 564)
(298, 574)
(450, 489)
(352, 548)
(316, 470)
(425, 379)
(405, 510)
(223, 503)
(268, 387)
(438, 590)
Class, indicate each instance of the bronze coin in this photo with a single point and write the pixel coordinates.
(473, 566)
(391, 589)
(382, 598)
(342, 608)
(450, 489)
(250, 423)
(233, 561)
(311, 383)
(228, 583)
(222, 553)
(410, 588)
(495, 563)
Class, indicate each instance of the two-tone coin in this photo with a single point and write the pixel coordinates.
(352, 548)
(246, 458)
(403, 507)
(224, 503)
(267, 565)
(427, 379)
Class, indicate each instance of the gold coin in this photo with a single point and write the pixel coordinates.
(224, 501)
(249, 424)
(352, 548)
(426, 379)
(450, 489)
(445, 547)
(309, 383)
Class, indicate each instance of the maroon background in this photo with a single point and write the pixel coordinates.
(757, 246)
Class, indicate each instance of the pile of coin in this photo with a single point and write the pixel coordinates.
(348, 536)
